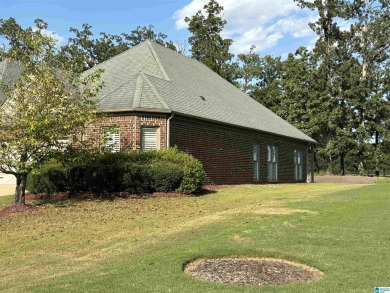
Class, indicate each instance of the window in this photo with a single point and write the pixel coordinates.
(62, 143)
(111, 140)
(149, 138)
(298, 165)
(256, 162)
(272, 162)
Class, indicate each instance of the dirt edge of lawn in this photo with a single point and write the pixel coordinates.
(345, 179)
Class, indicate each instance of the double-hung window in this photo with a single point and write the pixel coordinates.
(256, 162)
(111, 140)
(298, 165)
(272, 162)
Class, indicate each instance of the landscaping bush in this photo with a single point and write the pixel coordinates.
(136, 172)
(38, 180)
(166, 176)
(193, 173)
(138, 179)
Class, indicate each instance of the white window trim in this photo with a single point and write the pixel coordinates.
(150, 129)
(272, 163)
(298, 169)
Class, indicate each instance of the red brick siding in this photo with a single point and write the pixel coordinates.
(227, 152)
(130, 128)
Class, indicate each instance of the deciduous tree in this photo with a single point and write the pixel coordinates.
(43, 105)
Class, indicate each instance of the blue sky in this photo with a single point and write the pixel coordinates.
(276, 27)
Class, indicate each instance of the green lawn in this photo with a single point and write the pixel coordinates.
(141, 245)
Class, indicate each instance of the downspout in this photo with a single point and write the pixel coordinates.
(169, 130)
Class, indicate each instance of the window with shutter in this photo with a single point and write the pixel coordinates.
(149, 138)
(111, 140)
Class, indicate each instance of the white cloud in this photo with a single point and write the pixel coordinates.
(296, 27)
(257, 36)
(262, 23)
(60, 39)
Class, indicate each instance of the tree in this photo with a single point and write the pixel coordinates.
(250, 69)
(207, 45)
(268, 89)
(141, 34)
(44, 105)
(332, 83)
(370, 38)
(84, 50)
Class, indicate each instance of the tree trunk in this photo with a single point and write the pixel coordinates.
(377, 169)
(20, 191)
(342, 164)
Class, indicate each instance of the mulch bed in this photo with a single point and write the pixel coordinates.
(345, 179)
(251, 271)
(12, 210)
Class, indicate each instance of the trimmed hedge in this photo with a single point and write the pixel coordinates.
(136, 172)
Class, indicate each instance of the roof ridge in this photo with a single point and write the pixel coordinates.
(137, 91)
(155, 56)
(159, 98)
(113, 57)
(117, 88)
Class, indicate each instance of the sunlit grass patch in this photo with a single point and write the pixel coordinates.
(140, 245)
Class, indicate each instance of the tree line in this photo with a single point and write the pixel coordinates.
(336, 92)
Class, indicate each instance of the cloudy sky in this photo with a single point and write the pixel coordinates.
(275, 27)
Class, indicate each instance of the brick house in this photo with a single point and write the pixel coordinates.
(156, 98)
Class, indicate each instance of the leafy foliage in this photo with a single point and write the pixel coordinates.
(43, 104)
(137, 172)
(207, 45)
(84, 50)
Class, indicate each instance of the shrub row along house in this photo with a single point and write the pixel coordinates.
(156, 98)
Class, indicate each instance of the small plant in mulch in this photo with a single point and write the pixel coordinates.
(251, 271)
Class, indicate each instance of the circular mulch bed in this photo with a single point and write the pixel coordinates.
(251, 271)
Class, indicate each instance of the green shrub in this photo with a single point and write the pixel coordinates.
(138, 179)
(38, 180)
(194, 174)
(39, 183)
(58, 178)
(166, 176)
(137, 172)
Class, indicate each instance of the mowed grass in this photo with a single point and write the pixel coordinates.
(141, 245)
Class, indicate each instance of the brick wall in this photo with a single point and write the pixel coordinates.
(130, 128)
(227, 152)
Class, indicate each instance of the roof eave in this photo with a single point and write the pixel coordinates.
(132, 110)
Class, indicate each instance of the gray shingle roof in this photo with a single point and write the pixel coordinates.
(9, 71)
(150, 76)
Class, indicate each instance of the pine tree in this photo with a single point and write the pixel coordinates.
(206, 42)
